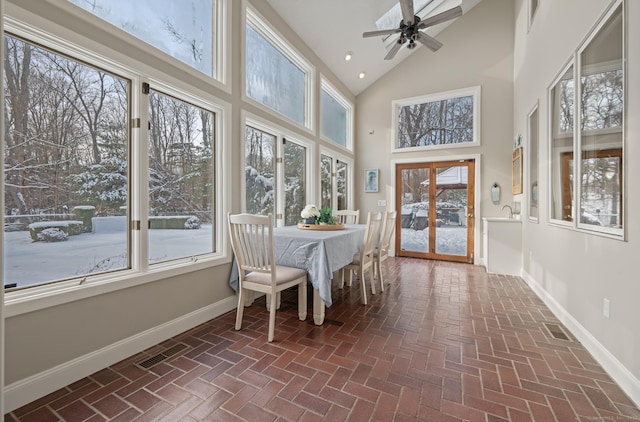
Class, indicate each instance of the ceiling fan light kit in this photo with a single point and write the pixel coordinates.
(410, 29)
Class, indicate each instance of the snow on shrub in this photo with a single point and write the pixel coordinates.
(52, 234)
(192, 223)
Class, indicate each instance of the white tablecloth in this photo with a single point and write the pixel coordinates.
(319, 252)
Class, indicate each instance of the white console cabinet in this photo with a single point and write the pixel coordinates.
(502, 245)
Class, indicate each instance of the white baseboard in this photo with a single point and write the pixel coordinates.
(29, 389)
(621, 375)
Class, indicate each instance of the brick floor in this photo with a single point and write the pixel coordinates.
(443, 342)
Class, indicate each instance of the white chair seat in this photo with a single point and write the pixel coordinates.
(285, 275)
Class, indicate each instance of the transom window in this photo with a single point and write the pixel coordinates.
(597, 110)
(444, 120)
(336, 116)
(276, 76)
(187, 30)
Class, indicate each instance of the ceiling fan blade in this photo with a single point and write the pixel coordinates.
(429, 42)
(394, 50)
(407, 11)
(380, 32)
(441, 17)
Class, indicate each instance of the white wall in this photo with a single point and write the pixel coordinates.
(576, 271)
(478, 50)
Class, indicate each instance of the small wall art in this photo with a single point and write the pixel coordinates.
(371, 180)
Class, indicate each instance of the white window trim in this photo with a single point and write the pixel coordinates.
(528, 185)
(60, 292)
(221, 61)
(331, 90)
(336, 156)
(280, 133)
(279, 42)
(474, 92)
(531, 13)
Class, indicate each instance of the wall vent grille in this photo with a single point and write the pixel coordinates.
(156, 359)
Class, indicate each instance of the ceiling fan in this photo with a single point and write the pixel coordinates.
(410, 26)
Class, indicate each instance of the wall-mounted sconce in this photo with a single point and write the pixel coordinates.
(495, 193)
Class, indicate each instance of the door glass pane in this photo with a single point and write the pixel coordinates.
(66, 176)
(326, 188)
(180, 179)
(260, 171)
(533, 164)
(341, 180)
(451, 207)
(295, 186)
(415, 210)
(183, 30)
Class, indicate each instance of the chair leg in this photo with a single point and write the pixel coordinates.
(272, 317)
(363, 286)
(372, 279)
(240, 310)
(341, 284)
(350, 278)
(302, 300)
(380, 277)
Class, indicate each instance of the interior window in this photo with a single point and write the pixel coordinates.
(260, 172)
(66, 174)
(335, 116)
(295, 184)
(533, 164)
(326, 184)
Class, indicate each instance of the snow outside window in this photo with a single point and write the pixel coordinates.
(295, 183)
(276, 76)
(66, 174)
(185, 30)
(336, 116)
(260, 172)
(181, 146)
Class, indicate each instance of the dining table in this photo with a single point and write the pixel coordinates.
(319, 252)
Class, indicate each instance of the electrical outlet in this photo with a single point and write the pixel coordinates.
(606, 308)
(382, 203)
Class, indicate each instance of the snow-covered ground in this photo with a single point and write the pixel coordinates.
(27, 262)
(451, 240)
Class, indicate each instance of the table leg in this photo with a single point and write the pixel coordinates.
(318, 308)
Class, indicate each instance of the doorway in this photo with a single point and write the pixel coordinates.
(435, 202)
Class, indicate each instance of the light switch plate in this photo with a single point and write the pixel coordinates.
(382, 202)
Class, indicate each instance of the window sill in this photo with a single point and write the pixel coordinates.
(54, 294)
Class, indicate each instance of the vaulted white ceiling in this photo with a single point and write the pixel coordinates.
(333, 27)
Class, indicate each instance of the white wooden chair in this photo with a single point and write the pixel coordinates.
(347, 216)
(364, 259)
(252, 242)
(381, 253)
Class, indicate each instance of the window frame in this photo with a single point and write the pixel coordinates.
(578, 134)
(532, 9)
(330, 90)
(335, 157)
(474, 92)
(262, 26)
(249, 119)
(59, 292)
(533, 186)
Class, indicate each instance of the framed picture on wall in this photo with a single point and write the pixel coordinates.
(371, 180)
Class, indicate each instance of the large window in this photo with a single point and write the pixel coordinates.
(187, 30)
(66, 175)
(336, 116)
(181, 204)
(276, 173)
(532, 129)
(593, 115)
(441, 120)
(102, 181)
(275, 75)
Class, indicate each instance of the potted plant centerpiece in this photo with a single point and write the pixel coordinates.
(326, 216)
(309, 214)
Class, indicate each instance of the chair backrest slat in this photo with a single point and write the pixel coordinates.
(388, 227)
(347, 216)
(372, 234)
(252, 241)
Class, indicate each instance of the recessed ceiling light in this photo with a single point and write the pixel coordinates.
(348, 55)
(361, 75)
